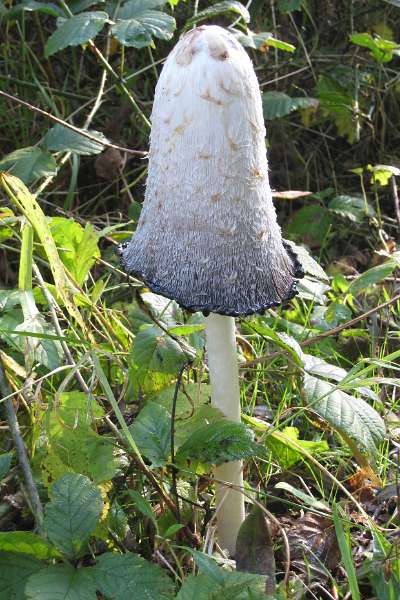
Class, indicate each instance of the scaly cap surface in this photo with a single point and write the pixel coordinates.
(207, 235)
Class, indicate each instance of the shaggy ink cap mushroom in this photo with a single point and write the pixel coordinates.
(207, 236)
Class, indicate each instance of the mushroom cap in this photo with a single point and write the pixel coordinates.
(207, 236)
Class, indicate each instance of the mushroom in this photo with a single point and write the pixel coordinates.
(207, 236)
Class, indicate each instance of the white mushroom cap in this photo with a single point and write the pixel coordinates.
(207, 235)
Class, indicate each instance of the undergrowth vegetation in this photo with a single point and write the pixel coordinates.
(107, 437)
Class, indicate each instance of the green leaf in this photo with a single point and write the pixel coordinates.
(222, 584)
(60, 138)
(73, 513)
(382, 50)
(122, 576)
(48, 8)
(279, 104)
(143, 505)
(261, 41)
(220, 8)
(353, 208)
(343, 538)
(287, 453)
(220, 442)
(61, 582)
(394, 2)
(190, 397)
(77, 6)
(155, 352)
(5, 464)
(353, 418)
(75, 30)
(26, 542)
(372, 276)
(77, 246)
(338, 102)
(29, 164)
(137, 24)
(72, 443)
(288, 6)
(185, 329)
(15, 569)
(310, 224)
(382, 174)
(151, 431)
(309, 264)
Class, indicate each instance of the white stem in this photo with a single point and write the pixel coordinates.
(225, 395)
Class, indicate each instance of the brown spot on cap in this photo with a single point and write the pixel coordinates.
(216, 197)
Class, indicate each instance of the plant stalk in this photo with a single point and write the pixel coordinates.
(225, 395)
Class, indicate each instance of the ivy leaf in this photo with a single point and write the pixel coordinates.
(151, 431)
(137, 24)
(353, 418)
(75, 30)
(223, 441)
(73, 513)
(279, 104)
(61, 582)
(15, 569)
(26, 542)
(60, 138)
(29, 164)
(122, 576)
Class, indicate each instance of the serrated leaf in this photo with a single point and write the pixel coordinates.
(352, 417)
(151, 431)
(5, 464)
(279, 104)
(76, 30)
(60, 138)
(155, 352)
(27, 542)
(309, 264)
(61, 582)
(73, 513)
(353, 208)
(72, 443)
(221, 584)
(29, 164)
(371, 277)
(223, 441)
(15, 569)
(312, 289)
(137, 23)
(122, 576)
(190, 397)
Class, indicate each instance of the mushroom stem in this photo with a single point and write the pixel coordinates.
(225, 395)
